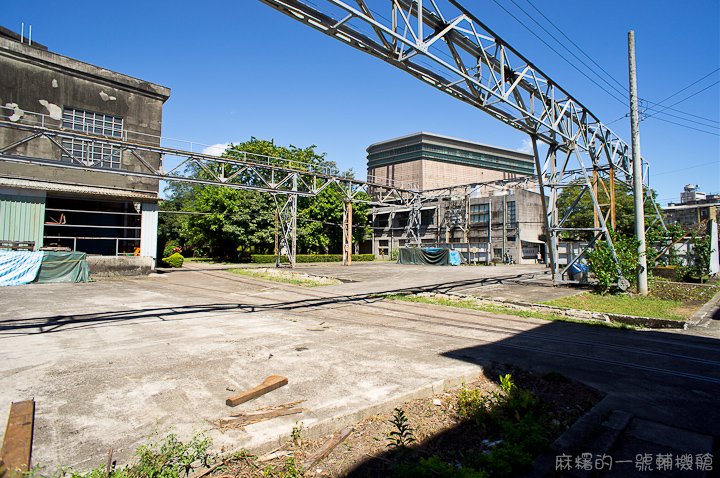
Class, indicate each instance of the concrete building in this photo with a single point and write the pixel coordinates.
(695, 207)
(90, 210)
(485, 226)
(428, 161)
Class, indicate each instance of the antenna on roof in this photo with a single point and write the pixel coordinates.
(30, 35)
(22, 31)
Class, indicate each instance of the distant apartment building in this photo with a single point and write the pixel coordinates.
(695, 207)
(90, 209)
(505, 224)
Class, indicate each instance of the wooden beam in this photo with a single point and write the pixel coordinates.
(268, 385)
(17, 443)
(328, 447)
(248, 418)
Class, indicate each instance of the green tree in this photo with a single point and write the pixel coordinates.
(583, 216)
(233, 221)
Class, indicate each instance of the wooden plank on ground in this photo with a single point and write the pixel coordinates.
(248, 418)
(17, 444)
(329, 446)
(268, 385)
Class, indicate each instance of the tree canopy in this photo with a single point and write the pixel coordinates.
(583, 216)
(228, 223)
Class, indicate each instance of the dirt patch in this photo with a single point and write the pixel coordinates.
(436, 425)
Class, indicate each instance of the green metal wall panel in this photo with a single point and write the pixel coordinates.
(22, 218)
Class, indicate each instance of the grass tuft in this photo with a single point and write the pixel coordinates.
(626, 305)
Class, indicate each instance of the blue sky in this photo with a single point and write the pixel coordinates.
(240, 69)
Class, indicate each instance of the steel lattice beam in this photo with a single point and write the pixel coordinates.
(444, 45)
(284, 179)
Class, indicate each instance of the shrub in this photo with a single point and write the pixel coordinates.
(175, 260)
(171, 248)
(605, 269)
(166, 458)
(307, 258)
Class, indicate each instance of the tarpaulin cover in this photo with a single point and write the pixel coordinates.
(455, 258)
(429, 255)
(64, 267)
(19, 267)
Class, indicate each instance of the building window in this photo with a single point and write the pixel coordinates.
(91, 152)
(511, 214)
(382, 220)
(479, 213)
(427, 217)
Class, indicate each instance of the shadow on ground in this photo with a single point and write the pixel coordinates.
(664, 386)
(59, 323)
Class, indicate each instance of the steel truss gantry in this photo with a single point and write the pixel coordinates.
(444, 45)
(284, 179)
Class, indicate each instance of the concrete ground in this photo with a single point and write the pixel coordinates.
(109, 363)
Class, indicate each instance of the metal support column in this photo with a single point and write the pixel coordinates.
(286, 210)
(412, 232)
(347, 233)
(546, 212)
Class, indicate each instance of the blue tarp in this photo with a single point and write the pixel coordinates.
(455, 258)
(19, 267)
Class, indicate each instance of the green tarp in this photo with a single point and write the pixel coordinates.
(418, 256)
(63, 267)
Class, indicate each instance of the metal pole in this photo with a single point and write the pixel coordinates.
(504, 226)
(349, 232)
(276, 250)
(543, 204)
(637, 168)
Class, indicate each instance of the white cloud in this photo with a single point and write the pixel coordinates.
(526, 147)
(216, 149)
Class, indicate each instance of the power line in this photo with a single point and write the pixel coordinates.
(714, 133)
(691, 121)
(612, 77)
(684, 99)
(683, 169)
(651, 108)
(621, 90)
(688, 86)
(622, 101)
(578, 47)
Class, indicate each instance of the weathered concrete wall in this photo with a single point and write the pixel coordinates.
(44, 82)
(115, 266)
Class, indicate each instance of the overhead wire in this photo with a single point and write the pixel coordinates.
(620, 90)
(654, 104)
(688, 86)
(578, 47)
(685, 99)
(612, 95)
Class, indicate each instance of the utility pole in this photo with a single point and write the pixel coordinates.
(637, 169)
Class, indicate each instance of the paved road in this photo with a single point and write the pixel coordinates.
(111, 361)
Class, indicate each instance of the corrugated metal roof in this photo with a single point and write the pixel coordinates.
(74, 188)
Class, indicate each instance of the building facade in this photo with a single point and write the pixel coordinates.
(426, 161)
(695, 208)
(486, 224)
(91, 210)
